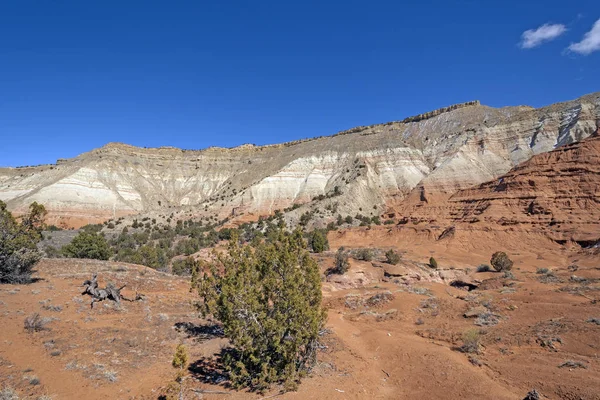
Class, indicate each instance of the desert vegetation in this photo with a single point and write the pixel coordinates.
(18, 243)
(501, 262)
(268, 298)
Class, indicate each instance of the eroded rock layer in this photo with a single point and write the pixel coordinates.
(555, 193)
(440, 153)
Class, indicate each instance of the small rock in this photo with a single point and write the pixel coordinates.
(476, 312)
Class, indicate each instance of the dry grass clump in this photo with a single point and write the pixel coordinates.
(35, 323)
(470, 341)
(392, 257)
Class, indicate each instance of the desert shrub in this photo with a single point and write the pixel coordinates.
(433, 263)
(364, 254)
(305, 218)
(348, 219)
(572, 364)
(549, 277)
(183, 266)
(180, 358)
(52, 252)
(18, 243)
(392, 257)
(487, 319)
(341, 265)
(470, 341)
(483, 268)
(317, 240)
(35, 323)
(501, 262)
(268, 299)
(509, 275)
(227, 233)
(91, 228)
(542, 271)
(34, 380)
(8, 394)
(88, 245)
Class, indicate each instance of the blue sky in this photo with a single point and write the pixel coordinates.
(75, 75)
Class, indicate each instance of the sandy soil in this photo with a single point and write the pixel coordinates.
(401, 344)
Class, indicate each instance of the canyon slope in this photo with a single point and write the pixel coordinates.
(373, 167)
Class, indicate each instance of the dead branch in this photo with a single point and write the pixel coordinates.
(110, 292)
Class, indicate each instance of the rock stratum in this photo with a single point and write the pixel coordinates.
(434, 154)
(556, 194)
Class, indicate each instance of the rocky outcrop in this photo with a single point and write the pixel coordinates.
(439, 111)
(439, 152)
(555, 193)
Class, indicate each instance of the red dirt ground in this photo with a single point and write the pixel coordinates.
(404, 347)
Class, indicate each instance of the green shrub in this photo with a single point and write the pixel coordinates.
(501, 262)
(148, 255)
(18, 243)
(88, 245)
(317, 241)
(470, 341)
(392, 257)
(433, 263)
(364, 254)
(180, 358)
(52, 252)
(341, 265)
(183, 266)
(91, 228)
(268, 299)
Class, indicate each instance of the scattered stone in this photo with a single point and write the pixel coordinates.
(477, 311)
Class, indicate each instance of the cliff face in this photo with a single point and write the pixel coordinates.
(445, 151)
(556, 194)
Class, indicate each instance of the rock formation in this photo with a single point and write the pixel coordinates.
(438, 152)
(556, 194)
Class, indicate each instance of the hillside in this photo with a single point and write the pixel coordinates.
(373, 167)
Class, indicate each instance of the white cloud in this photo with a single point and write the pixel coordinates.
(534, 37)
(590, 41)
